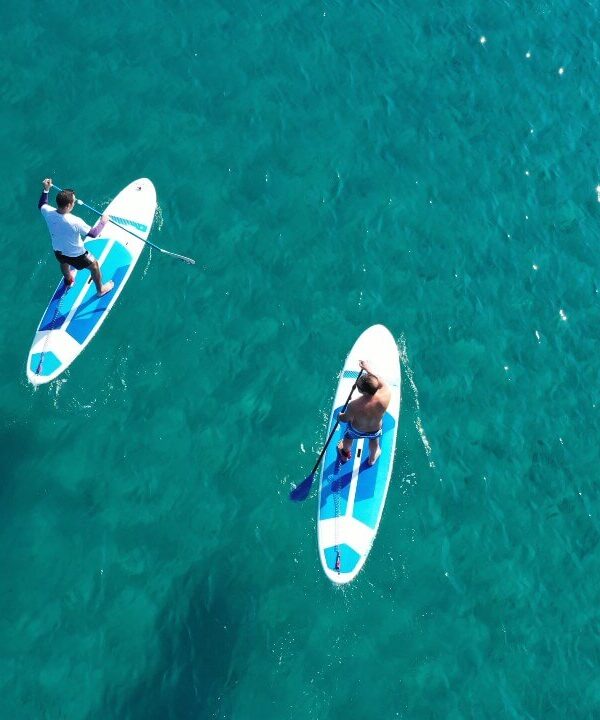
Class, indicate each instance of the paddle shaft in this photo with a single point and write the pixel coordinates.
(337, 422)
(151, 244)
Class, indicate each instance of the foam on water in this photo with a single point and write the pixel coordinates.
(408, 373)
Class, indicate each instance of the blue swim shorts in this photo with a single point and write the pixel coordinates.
(354, 434)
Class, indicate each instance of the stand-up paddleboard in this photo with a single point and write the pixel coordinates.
(352, 495)
(75, 315)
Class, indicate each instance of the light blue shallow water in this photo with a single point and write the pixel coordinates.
(330, 165)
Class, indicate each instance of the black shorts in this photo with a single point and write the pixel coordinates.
(81, 262)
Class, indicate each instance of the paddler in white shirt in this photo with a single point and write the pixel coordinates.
(67, 232)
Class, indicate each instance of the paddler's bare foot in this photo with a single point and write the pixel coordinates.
(106, 288)
(70, 280)
(373, 460)
(345, 455)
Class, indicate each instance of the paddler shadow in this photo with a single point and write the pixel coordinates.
(15, 435)
(53, 318)
(367, 480)
(335, 480)
(194, 650)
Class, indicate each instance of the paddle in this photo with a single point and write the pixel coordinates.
(301, 492)
(185, 259)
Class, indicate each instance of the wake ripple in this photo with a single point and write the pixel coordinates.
(411, 379)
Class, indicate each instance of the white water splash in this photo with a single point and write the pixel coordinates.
(411, 379)
(158, 223)
(148, 261)
(55, 389)
(158, 217)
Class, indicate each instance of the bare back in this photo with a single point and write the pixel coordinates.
(366, 412)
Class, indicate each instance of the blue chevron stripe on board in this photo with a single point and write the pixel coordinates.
(124, 221)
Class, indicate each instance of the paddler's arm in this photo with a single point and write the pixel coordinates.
(44, 196)
(364, 365)
(367, 368)
(346, 416)
(99, 227)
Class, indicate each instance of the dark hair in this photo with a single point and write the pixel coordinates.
(368, 384)
(64, 198)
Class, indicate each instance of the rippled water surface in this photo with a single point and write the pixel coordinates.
(330, 165)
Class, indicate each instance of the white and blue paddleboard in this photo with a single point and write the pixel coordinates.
(352, 495)
(75, 315)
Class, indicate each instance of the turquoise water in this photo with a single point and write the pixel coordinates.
(330, 165)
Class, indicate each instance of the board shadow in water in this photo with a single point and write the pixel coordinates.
(192, 656)
(17, 443)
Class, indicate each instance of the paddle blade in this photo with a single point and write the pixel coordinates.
(301, 492)
(189, 261)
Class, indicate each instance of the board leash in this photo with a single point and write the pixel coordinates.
(45, 345)
(336, 505)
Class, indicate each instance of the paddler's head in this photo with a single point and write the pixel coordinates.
(367, 384)
(65, 200)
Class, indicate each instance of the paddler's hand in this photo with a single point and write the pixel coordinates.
(47, 184)
(105, 218)
(365, 366)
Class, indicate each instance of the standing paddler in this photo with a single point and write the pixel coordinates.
(67, 232)
(364, 415)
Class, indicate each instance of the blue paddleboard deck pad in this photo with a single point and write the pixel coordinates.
(352, 494)
(75, 314)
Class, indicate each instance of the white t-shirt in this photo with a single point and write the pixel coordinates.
(66, 231)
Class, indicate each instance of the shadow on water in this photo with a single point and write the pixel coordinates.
(195, 641)
(16, 448)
